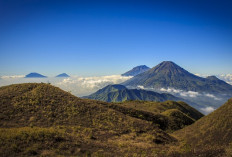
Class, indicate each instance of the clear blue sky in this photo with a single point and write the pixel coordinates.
(110, 37)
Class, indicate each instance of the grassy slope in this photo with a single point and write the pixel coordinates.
(169, 115)
(35, 114)
(211, 134)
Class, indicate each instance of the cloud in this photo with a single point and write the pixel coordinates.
(79, 86)
(82, 86)
(13, 76)
(226, 77)
(207, 110)
(212, 96)
(141, 87)
(180, 92)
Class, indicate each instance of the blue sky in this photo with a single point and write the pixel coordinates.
(92, 38)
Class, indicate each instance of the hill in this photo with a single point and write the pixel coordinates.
(136, 70)
(169, 115)
(35, 75)
(63, 75)
(119, 93)
(169, 75)
(43, 120)
(211, 134)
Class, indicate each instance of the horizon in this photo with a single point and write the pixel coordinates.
(89, 38)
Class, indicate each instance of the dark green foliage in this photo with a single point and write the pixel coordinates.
(119, 93)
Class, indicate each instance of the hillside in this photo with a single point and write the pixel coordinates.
(34, 114)
(169, 115)
(169, 75)
(212, 133)
(119, 93)
(136, 70)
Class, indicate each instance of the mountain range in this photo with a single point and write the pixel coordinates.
(136, 70)
(169, 75)
(38, 119)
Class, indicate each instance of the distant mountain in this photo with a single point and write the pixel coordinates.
(169, 75)
(34, 75)
(119, 93)
(212, 133)
(63, 75)
(136, 70)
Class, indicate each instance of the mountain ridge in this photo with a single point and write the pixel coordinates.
(119, 93)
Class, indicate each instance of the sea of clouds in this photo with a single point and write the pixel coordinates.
(79, 86)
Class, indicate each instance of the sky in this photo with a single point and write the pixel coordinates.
(96, 38)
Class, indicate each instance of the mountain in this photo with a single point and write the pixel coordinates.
(63, 75)
(136, 70)
(119, 93)
(38, 119)
(212, 133)
(34, 75)
(169, 75)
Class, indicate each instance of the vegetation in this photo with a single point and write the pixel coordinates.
(212, 133)
(119, 93)
(43, 120)
(37, 109)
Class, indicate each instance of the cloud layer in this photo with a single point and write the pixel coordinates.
(79, 86)
(208, 109)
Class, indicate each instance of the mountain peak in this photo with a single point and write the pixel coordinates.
(136, 70)
(34, 75)
(63, 75)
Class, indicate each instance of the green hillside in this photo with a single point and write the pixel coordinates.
(38, 119)
(33, 115)
(119, 93)
(170, 115)
(211, 134)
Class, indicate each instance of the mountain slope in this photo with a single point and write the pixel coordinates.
(136, 70)
(119, 93)
(168, 74)
(34, 75)
(169, 115)
(212, 132)
(36, 114)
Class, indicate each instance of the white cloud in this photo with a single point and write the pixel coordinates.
(13, 76)
(207, 110)
(82, 86)
(212, 96)
(180, 92)
(141, 87)
(226, 77)
(79, 86)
